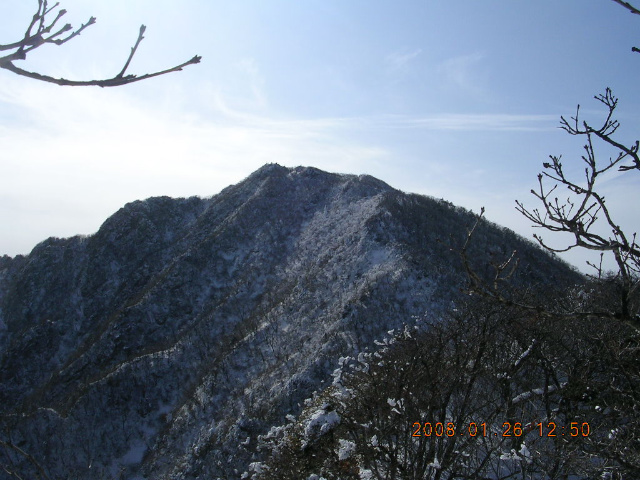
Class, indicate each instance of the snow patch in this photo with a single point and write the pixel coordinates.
(522, 454)
(257, 467)
(536, 391)
(321, 422)
(366, 474)
(346, 449)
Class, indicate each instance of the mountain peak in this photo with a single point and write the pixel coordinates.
(309, 177)
(192, 326)
(269, 169)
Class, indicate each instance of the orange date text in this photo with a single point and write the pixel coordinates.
(508, 429)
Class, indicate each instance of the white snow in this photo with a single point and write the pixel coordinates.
(525, 354)
(395, 403)
(535, 391)
(512, 455)
(346, 449)
(525, 453)
(321, 422)
(366, 474)
(256, 467)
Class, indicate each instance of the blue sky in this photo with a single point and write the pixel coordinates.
(457, 99)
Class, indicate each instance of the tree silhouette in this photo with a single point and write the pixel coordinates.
(44, 30)
(633, 10)
(585, 208)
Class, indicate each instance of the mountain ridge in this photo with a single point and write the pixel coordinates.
(162, 345)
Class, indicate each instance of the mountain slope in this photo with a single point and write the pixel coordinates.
(161, 346)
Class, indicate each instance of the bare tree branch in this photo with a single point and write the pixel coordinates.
(628, 6)
(133, 51)
(633, 10)
(585, 208)
(501, 290)
(112, 82)
(40, 32)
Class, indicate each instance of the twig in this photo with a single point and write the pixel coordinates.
(628, 6)
(42, 35)
(112, 82)
(633, 10)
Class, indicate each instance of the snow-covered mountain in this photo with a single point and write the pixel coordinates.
(163, 345)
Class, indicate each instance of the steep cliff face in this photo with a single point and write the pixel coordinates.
(161, 346)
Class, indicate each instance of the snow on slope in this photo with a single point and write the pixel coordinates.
(163, 345)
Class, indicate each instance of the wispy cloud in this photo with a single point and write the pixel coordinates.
(472, 122)
(256, 81)
(398, 61)
(464, 73)
(301, 128)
